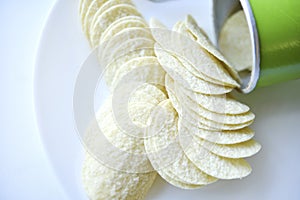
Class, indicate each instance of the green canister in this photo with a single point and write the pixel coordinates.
(274, 27)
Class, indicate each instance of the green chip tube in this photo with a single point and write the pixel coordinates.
(274, 27)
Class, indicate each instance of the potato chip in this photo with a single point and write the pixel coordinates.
(204, 41)
(180, 168)
(126, 34)
(196, 120)
(177, 105)
(88, 14)
(83, 7)
(216, 117)
(188, 114)
(235, 41)
(177, 71)
(223, 104)
(179, 27)
(147, 93)
(102, 182)
(121, 24)
(115, 134)
(100, 9)
(134, 48)
(106, 18)
(183, 46)
(126, 41)
(139, 113)
(178, 183)
(141, 103)
(131, 65)
(216, 166)
(239, 150)
(218, 137)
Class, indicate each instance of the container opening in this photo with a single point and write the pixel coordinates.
(237, 39)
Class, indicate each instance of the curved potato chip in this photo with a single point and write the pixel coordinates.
(176, 104)
(127, 34)
(138, 47)
(115, 134)
(223, 104)
(216, 117)
(195, 119)
(139, 113)
(147, 93)
(203, 40)
(141, 103)
(183, 46)
(97, 10)
(89, 13)
(177, 71)
(178, 183)
(83, 7)
(180, 28)
(218, 137)
(239, 150)
(121, 24)
(101, 182)
(180, 168)
(113, 47)
(216, 166)
(235, 41)
(131, 65)
(106, 18)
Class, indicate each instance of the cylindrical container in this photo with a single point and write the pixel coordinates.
(274, 26)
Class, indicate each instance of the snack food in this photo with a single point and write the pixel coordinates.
(170, 108)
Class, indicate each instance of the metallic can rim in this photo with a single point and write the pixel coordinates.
(219, 19)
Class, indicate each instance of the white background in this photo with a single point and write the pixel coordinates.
(25, 172)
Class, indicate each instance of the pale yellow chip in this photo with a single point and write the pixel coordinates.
(183, 46)
(108, 17)
(171, 94)
(177, 71)
(204, 41)
(178, 107)
(235, 41)
(178, 183)
(143, 47)
(115, 134)
(147, 93)
(223, 104)
(124, 35)
(139, 113)
(127, 40)
(193, 117)
(88, 14)
(196, 120)
(239, 150)
(218, 137)
(140, 62)
(98, 10)
(216, 166)
(180, 168)
(178, 27)
(216, 117)
(141, 103)
(121, 24)
(102, 182)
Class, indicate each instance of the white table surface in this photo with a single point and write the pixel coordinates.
(25, 172)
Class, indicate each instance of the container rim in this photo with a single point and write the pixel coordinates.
(221, 11)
